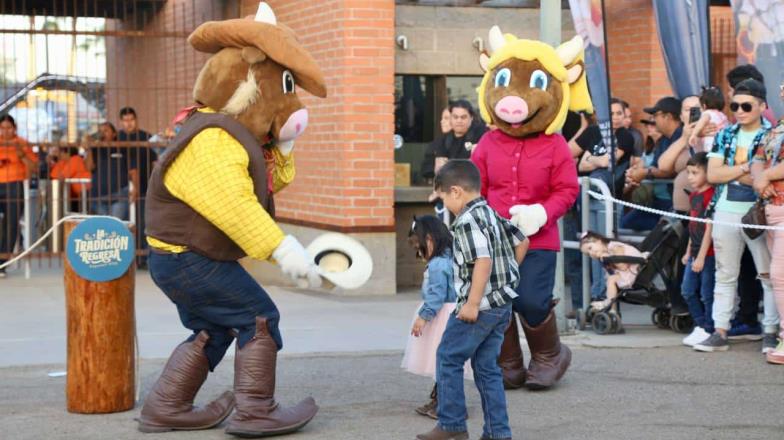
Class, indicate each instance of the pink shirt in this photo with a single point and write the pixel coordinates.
(527, 171)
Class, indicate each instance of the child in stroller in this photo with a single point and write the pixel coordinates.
(645, 274)
(620, 274)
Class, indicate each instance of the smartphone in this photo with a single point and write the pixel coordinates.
(694, 114)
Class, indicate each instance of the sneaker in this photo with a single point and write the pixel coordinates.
(697, 335)
(769, 342)
(776, 356)
(714, 343)
(745, 331)
(2, 273)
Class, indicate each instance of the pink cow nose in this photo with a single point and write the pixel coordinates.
(294, 126)
(511, 109)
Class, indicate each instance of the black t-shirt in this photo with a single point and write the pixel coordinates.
(453, 147)
(592, 142)
(140, 157)
(110, 174)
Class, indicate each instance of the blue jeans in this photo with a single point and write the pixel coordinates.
(645, 221)
(700, 306)
(216, 296)
(115, 205)
(535, 290)
(481, 342)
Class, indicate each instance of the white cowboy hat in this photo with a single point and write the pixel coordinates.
(341, 260)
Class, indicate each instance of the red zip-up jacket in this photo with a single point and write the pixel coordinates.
(526, 171)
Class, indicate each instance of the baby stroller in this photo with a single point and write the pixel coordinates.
(656, 283)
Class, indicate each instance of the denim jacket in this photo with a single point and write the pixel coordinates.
(438, 286)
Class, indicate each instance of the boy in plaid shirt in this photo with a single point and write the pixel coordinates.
(487, 252)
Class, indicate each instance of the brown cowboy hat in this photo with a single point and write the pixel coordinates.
(276, 41)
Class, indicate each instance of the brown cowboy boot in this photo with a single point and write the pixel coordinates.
(511, 358)
(257, 414)
(439, 434)
(430, 408)
(549, 358)
(169, 405)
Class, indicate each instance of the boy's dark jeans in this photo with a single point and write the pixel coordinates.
(697, 290)
(217, 296)
(481, 342)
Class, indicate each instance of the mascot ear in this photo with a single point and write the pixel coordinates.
(253, 55)
(484, 61)
(575, 71)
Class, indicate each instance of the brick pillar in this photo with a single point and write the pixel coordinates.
(345, 159)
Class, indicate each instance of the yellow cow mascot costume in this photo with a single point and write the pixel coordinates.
(529, 177)
(209, 203)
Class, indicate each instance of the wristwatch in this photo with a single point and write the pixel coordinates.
(745, 167)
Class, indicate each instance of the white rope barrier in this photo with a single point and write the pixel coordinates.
(600, 196)
(47, 234)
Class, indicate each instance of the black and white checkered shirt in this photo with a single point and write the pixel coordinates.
(480, 232)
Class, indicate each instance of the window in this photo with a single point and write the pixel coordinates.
(419, 101)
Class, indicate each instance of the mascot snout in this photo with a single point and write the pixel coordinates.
(295, 125)
(511, 109)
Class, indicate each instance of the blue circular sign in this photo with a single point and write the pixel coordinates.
(100, 249)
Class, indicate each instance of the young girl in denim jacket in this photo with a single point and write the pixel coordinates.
(433, 242)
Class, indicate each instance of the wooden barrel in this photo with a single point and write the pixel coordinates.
(101, 329)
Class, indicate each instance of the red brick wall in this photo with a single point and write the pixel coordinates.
(345, 159)
(637, 71)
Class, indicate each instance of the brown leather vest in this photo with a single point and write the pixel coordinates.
(171, 220)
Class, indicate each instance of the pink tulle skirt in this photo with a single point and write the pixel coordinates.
(420, 355)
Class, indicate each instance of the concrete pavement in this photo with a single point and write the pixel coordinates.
(346, 352)
(32, 321)
(664, 393)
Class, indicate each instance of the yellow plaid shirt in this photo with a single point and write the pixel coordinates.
(211, 176)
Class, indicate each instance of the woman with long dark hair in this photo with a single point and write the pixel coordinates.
(17, 163)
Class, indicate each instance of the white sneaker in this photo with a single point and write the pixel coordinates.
(697, 335)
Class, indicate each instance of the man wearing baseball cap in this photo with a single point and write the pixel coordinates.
(666, 116)
(729, 170)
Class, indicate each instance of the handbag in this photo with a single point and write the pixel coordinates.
(755, 216)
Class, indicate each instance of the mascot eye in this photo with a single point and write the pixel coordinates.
(288, 82)
(538, 80)
(503, 77)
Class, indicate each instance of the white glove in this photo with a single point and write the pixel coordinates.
(286, 147)
(295, 262)
(529, 218)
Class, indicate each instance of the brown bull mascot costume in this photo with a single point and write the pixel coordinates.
(209, 204)
(528, 175)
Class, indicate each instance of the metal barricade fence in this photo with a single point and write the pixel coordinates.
(586, 184)
(31, 206)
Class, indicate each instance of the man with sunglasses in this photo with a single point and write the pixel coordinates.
(729, 169)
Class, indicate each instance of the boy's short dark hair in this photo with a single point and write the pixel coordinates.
(699, 160)
(458, 172)
(712, 98)
(127, 111)
(745, 71)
